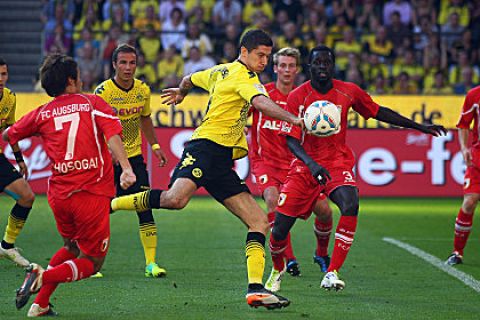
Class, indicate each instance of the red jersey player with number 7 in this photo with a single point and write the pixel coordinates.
(75, 129)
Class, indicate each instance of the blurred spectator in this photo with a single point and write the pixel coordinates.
(49, 9)
(253, 6)
(344, 48)
(435, 64)
(86, 37)
(452, 30)
(169, 68)
(197, 62)
(397, 32)
(109, 43)
(336, 30)
(197, 39)
(343, 8)
(439, 86)
(290, 38)
(198, 16)
(138, 8)
(455, 72)
(466, 83)
(81, 8)
(173, 30)
(109, 8)
(320, 36)
(380, 45)
(150, 44)
(89, 21)
(58, 41)
(149, 18)
(407, 64)
(447, 7)
(422, 32)
(373, 68)
(90, 66)
(404, 8)
(117, 18)
(229, 54)
(403, 85)
(225, 12)
(423, 8)
(231, 34)
(259, 21)
(166, 8)
(281, 17)
(379, 85)
(145, 71)
(366, 13)
(292, 7)
(354, 75)
(475, 23)
(313, 20)
(59, 18)
(193, 7)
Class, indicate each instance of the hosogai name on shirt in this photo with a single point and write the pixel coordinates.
(63, 110)
(84, 164)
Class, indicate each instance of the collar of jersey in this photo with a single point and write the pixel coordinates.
(121, 88)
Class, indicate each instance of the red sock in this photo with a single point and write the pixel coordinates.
(463, 225)
(288, 253)
(322, 231)
(58, 258)
(343, 241)
(271, 218)
(277, 249)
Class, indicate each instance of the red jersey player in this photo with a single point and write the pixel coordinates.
(271, 158)
(74, 128)
(471, 188)
(326, 164)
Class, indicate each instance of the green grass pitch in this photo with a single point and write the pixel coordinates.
(202, 248)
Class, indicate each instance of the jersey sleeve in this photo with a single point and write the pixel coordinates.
(26, 127)
(147, 111)
(201, 79)
(248, 88)
(468, 112)
(293, 106)
(11, 114)
(105, 119)
(100, 90)
(363, 103)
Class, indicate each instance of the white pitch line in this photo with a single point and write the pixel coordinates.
(465, 278)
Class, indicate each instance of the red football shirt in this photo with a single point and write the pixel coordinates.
(266, 145)
(331, 151)
(471, 112)
(74, 128)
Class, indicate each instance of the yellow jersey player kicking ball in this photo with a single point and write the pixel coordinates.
(209, 156)
(130, 99)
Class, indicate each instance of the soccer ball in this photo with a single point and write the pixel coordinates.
(322, 118)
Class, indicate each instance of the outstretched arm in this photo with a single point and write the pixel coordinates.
(176, 95)
(319, 173)
(266, 106)
(389, 116)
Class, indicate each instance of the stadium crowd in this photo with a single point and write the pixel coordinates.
(386, 47)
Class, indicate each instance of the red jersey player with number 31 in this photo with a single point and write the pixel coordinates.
(270, 159)
(75, 129)
(326, 164)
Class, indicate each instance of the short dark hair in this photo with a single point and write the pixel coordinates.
(55, 72)
(319, 49)
(254, 38)
(3, 62)
(126, 48)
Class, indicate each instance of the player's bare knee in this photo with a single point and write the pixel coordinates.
(27, 199)
(177, 203)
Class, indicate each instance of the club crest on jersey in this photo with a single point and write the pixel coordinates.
(197, 173)
(260, 88)
(104, 245)
(282, 197)
(466, 184)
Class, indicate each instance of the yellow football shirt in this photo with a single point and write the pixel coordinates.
(129, 105)
(231, 88)
(8, 104)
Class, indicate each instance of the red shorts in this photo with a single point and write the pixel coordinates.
(84, 218)
(301, 191)
(471, 182)
(266, 176)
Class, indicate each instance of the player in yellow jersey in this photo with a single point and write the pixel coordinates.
(12, 181)
(130, 99)
(208, 158)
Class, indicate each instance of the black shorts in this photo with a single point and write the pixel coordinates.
(140, 170)
(8, 173)
(210, 165)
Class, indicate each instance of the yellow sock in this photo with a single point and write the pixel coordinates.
(148, 236)
(136, 201)
(14, 226)
(255, 253)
